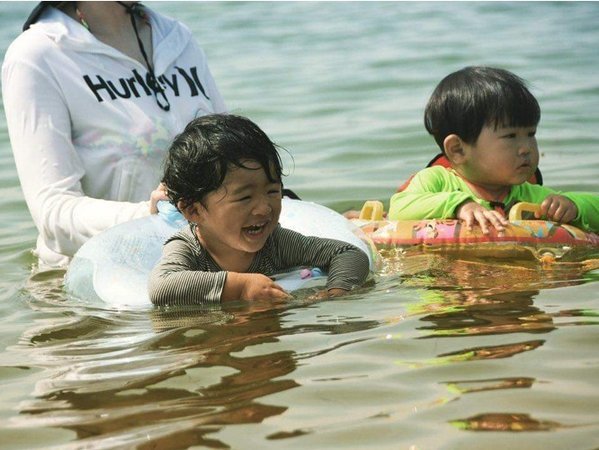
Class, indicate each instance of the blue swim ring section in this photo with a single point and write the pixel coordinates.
(113, 267)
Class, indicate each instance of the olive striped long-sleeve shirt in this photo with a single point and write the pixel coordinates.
(186, 273)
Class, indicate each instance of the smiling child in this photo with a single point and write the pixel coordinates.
(224, 174)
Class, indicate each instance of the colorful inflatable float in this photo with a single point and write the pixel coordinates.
(523, 238)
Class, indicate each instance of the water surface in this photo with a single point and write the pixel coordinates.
(439, 354)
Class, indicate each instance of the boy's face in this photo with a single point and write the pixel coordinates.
(240, 215)
(501, 157)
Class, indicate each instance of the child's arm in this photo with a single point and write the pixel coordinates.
(432, 193)
(347, 265)
(179, 279)
(561, 207)
(587, 205)
(558, 208)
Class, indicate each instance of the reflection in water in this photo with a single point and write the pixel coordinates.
(434, 271)
(489, 352)
(170, 377)
(472, 386)
(471, 297)
(504, 422)
(465, 298)
(175, 378)
(474, 298)
(477, 314)
(477, 353)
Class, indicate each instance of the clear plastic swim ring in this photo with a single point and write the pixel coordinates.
(113, 267)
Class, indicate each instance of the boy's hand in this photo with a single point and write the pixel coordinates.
(558, 208)
(471, 212)
(256, 286)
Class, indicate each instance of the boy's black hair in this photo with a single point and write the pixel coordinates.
(467, 100)
(200, 157)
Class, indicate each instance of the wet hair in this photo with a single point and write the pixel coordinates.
(200, 157)
(467, 100)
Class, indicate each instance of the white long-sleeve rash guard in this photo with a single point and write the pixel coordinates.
(86, 132)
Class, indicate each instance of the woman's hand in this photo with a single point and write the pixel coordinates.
(352, 214)
(558, 208)
(471, 212)
(157, 195)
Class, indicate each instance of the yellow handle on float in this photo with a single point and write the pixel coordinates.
(523, 207)
(372, 210)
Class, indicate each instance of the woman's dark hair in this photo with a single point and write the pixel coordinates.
(38, 11)
(199, 158)
(466, 100)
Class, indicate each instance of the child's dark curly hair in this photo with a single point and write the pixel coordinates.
(199, 158)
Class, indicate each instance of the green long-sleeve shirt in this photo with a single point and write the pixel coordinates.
(436, 192)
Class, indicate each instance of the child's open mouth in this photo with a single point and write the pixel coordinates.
(255, 230)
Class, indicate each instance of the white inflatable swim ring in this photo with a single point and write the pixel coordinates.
(113, 267)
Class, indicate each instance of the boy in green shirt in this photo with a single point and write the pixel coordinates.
(484, 120)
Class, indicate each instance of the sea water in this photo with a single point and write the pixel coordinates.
(438, 354)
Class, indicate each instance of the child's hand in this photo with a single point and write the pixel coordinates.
(558, 208)
(471, 212)
(260, 287)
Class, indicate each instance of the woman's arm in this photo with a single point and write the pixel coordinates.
(49, 168)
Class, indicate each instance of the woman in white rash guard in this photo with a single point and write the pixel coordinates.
(94, 93)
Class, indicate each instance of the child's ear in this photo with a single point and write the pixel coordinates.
(191, 211)
(454, 148)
